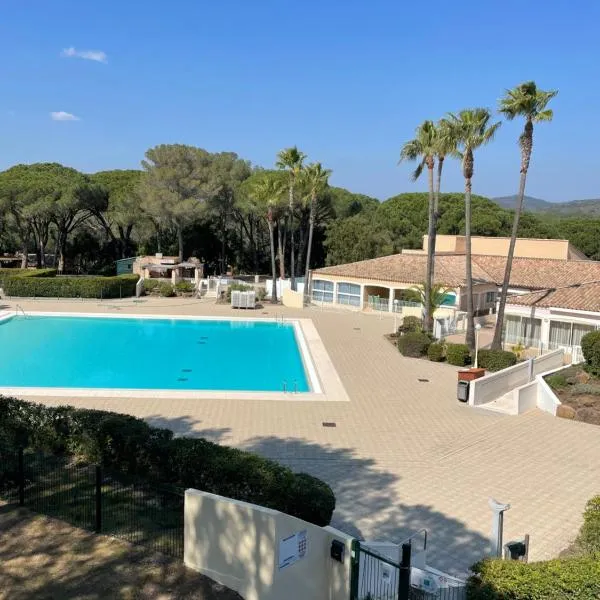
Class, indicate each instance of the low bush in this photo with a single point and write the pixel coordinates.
(261, 294)
(557, 381)
(410, 325)
(414, 344)
(151, 285)
(131, 446)
(165, 289)
(590, 346)
(435, 352)
(458, 354)
(184, 288)
(585, 389)
(496, 360)
(572, 578)
(589, 534)
(48, 286)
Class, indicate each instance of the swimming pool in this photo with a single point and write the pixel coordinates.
(127, 353)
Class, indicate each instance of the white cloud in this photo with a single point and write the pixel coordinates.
(61, 115)
(96, 55)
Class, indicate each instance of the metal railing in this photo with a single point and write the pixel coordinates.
(90, 497)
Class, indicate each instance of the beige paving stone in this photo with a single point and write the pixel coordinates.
(404, 454)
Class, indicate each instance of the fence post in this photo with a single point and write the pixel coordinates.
(404, 574)
(98, 520)
(354, 569)
(21, 478)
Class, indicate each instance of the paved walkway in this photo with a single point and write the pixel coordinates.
(404, 453)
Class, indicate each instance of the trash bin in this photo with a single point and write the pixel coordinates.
(462, 391)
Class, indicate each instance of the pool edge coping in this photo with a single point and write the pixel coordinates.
(324, 379)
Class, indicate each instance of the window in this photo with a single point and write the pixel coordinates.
(322, 291)
(349, 294)
(522, 330)
(566, 334)
(490, 297)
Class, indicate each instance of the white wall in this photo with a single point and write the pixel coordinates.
(282, 284)
(237, 544)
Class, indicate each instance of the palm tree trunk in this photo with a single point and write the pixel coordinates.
(428, 316)
(273, 266)
(280, 251)
(180, 242)
(436, 208)
(24, 250)
(470, 337)
(292, 245)
(526, 148)
(311, 226)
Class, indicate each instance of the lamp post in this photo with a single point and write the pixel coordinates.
(477, 328)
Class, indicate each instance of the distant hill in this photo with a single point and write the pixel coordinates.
(572, 208)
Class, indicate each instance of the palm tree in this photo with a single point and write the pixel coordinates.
(267, 194)
(291, 160)
(471, 130)
(424, 148)
(529, 102)
(436, 297)
(315, 177)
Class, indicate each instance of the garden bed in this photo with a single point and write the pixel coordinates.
(579, 393)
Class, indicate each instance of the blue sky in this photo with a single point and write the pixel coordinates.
(345, 81)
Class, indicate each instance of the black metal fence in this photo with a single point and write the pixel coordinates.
(93, 498)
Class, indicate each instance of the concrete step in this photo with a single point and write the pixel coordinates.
(505, 404)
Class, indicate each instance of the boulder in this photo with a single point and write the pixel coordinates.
(566, 412)
(582, 377)
(588, 415)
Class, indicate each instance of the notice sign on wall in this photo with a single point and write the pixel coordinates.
(292, 549)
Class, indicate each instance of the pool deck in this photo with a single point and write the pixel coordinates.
(404, 453)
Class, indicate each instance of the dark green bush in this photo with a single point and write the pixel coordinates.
(590, 346)
(184, 287)
(46, 286)
(150, 285)
(165, 289)
(410, 325)
(568, 578)
(414, 344)
(129, 445)
(458, 354)
(496, 360)
(435, 352)
(589, 534)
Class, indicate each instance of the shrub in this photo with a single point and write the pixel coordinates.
(435, 352)
(261, 294)
(165, 289)
(496, 360)
(184, 287)
(589, 534)
(131, 446)
(414, 344)
(458, 354)
(557, 381)
(410, 325)
(590, 346)
(49, 286)
(572, 578)
(589, 389)
(151, 285)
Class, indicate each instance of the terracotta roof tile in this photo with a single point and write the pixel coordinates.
(582, 296)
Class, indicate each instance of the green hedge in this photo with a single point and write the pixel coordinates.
(589, 535)
(496, 360)
(569, 578)
(590, 346)
(131, 446)
(414, 344)
(8, 273)
(30, 286)
(458, 354)
(410, 325)
(435, 352)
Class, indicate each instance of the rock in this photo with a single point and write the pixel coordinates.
(566, 412)
(588, 415)
(582, 377)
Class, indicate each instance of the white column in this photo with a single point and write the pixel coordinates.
(545, 334)
(362, 296)
(391, 300)
(335, 292)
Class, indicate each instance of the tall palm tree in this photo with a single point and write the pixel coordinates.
(472, 129)
(529, 102)
(291, 160)
(267, 194)
(315, 178)
(424, 148)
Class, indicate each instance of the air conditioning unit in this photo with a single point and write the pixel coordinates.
(424, 581)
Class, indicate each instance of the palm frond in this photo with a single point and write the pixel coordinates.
(417, 172)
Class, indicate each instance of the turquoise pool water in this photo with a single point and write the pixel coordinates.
(167, 354)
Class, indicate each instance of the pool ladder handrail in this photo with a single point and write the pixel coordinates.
(18, 308)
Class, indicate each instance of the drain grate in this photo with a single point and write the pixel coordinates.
(356, 328)
(423, 380)
(182, 379)
(329, 424)
(186, 370)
